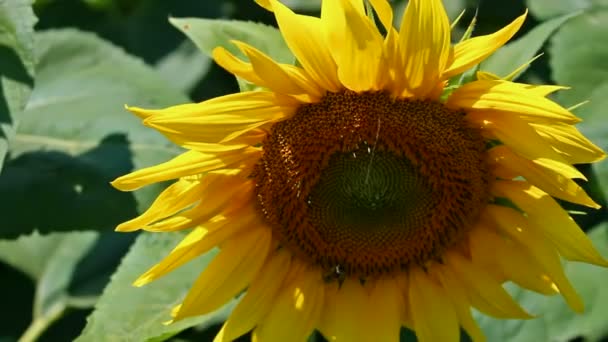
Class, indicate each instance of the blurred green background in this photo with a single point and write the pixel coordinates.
(67, 67)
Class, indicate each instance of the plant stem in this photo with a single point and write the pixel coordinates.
(41, 323)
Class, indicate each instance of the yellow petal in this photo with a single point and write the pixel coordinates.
(523, 139)
(236, 66)
(543, 90)
(484, 292)
(265, 3)
(511, 261)
(382, 311)
(224, 118)
(185, 220)
(176, 197)
(249, 138)
(341, 317)
(228, 273)
(356, 45)
(551, 220)
(296, 311)
(458, 297)
(200, 240)
(569, 142)
(434, 317)
(472, 51)
(539, 90)
(225, 194)
(259, 299)
(424, 38)
(551, 180)
(385, 13)
(534, 243)
(305, 37)
(393, 78)
(403, 284)
(508, 98)
(275, 78)
(265, 72)
(357, 314)
(186, 164)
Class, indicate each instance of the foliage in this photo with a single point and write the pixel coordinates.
(16, 65)
(142, 312)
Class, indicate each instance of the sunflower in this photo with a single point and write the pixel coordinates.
(353, 194)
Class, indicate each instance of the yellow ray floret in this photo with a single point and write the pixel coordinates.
(231, 271)
(470, 52)
(515, 225)
(424, 60)
(546, 214)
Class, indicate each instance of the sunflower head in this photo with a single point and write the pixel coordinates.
(346, 182)
(357, 165)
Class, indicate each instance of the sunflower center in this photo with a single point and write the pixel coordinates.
(369, 184)
(367, 193)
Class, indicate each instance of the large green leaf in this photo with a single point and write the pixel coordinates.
(50, 261)
(578, 59)
(522, 50)
(16, 65)
(75, 137)
(184, 67)
(208, 34)
(127, 313)
(578, 56)
(544, 9)
(555, 321)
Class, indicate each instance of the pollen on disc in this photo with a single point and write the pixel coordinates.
(370, 183)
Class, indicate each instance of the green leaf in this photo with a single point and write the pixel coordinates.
(208, 34)
(515, 54)
(555, 321)
(544, 9)
(16, 65)
(578, 60)
(184, 67)
(50, 261)
(127, 313)
(578, 56)
(95, 269)
(75, 137)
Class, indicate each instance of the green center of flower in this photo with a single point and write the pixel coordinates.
(368, 192)
(368, 184)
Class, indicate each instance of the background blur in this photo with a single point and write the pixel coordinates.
(67, 67)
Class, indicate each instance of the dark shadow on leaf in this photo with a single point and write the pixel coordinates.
(54, 191)
(11, 68)
(17, 289)
(93, 272)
